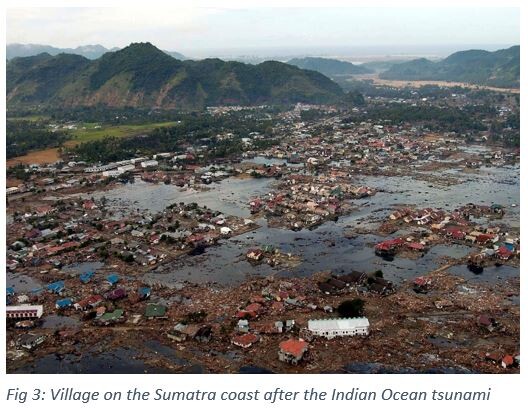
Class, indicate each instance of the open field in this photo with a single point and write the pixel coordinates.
(418, 83)
(88, 134)
(88, 131)
(36, 157)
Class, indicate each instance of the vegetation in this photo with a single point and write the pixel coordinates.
(141, 75)
(329, 67)
(23, 136)
(193, 128)
(499, 69)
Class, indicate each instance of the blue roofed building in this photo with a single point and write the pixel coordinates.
(63, 303)
(144, 293)
(112, 279)
(86, 277)
(56, 287)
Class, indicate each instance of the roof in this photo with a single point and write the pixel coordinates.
(113, 278)
(116, 314)
(56, 286)
(245, 341)
(338, 324)
(295, 347)
(38, 308)
(153, 310)
(86, 277)
(61, 303)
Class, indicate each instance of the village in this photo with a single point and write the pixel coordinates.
(76, 263)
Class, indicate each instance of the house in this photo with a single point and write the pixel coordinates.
(330, 328)
(225, 230)
(182, 332)
(243, 325)
(89, 302)
(149, 163)
(24, 312)
(155, 311)
(56, 287)
(144, 293)
(503, 253)
(292, 350)
(116, 294)
(245, 341)
(63, 303)
(30, 341)
(86, 277)
(111, 317)
(255, 254)
(112, 279)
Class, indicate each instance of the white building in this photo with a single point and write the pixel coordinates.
(24, 311)
(12, 190)
(112, 173)
(149, 163)
(126, 168)
(330, 328)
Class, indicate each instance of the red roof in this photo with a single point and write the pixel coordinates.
(415, 245)
(504, 252)
(507, 361)
(295, 347)
(245, 341)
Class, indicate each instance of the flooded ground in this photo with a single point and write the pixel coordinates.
(229, 196)
(324, 248)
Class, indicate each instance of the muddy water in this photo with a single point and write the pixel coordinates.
(22, 283)
(324, 248)
(229, 196)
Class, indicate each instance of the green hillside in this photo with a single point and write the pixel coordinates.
(500, 68)
(141, 75)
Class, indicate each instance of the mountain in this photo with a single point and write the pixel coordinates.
(141, 75)
(26, 50)
(329, 67)
(89, 51)
(500, 68)
(176, 55)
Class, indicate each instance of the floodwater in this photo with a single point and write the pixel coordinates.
(491, 274)
(229, 196)
(22, 283)
(116, 361)
(325, 247)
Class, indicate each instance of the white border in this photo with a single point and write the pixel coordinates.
(508, 391)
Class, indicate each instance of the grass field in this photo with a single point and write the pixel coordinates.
(87, 132)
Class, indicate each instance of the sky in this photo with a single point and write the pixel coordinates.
(206, 31)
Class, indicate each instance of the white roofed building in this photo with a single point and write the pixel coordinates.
(330, 328)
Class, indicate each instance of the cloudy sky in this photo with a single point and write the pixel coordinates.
(198, 32)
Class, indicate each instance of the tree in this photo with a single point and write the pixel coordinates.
(351, 308)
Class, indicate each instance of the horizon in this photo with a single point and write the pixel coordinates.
(372, 53)
(216, 32)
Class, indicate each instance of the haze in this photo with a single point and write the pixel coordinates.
(203, 32)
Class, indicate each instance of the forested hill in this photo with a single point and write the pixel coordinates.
(141, 75)
(500, 68)
(329, 67)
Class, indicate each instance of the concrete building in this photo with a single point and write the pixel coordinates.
(149, 163)
(24, 312)
(330, 328)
